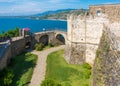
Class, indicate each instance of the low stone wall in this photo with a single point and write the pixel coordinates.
(5, 59)
(18, 45)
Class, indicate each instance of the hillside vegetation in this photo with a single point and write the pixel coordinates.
(60, 15)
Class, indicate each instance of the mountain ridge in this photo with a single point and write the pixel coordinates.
(58, 14)
(52, 12)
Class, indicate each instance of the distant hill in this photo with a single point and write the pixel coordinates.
(58, 14)
(52, 12)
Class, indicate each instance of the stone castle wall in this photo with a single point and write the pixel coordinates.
(106, 68)
(115, 29)
(95, 39)
(84, 32)
(83, 35)
(5, 59)
(112, 11)
(18, 45)
(15, 48)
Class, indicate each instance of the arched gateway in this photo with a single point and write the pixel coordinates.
(44, 39)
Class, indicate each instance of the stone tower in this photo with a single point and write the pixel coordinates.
(95, 32)
(84, 32)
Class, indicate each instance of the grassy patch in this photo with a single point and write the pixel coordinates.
(49, 46)
(41, 46)
(66, 74)
(22, 67)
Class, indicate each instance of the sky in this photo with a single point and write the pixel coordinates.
(29, 7)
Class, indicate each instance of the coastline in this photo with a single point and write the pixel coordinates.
(35, 25)
(57, 19)
(53, 19)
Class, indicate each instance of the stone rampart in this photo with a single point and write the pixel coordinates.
(18, 44)
(5, 59)
(106, 69)
(83, 32)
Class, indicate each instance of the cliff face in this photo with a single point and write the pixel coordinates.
(106, 69)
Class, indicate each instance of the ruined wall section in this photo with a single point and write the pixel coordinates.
(112, 11)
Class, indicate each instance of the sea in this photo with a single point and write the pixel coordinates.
(34, 25)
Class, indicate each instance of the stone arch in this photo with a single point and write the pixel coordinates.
(44, 39)
(60, 38)
(62, 34)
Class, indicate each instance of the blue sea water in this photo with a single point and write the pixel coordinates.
(34, 25)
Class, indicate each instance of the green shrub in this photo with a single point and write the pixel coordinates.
(2, 74)
(87, 74)
(86, 65)
(39, 47)
(10, 33)
(50, 82)
(8, 78)
(50, 44)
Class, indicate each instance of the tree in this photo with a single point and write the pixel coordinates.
(8, 78)
(16, 31)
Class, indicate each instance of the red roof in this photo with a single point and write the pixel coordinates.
(26, 29)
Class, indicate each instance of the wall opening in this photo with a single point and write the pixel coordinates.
(61, 38)
(44, 39)
(28, 45)
(98, 12)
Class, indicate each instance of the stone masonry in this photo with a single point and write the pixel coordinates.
(106, 70)
(84, 32)
(95, 39)
(83, 35)
(18, 44)
(112, 11)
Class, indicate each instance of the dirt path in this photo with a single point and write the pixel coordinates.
(40, 68)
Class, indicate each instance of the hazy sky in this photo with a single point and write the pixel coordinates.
(27, 7)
